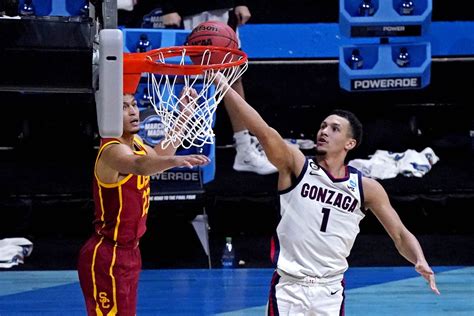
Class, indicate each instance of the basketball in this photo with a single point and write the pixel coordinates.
(212, 33)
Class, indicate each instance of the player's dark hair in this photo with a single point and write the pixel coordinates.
(355, 124)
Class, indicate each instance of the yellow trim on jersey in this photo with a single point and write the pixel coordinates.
(146, 194)
(102, 209)
(141, 152)
(97, 309)
(101, 149)
(140, 142)
(113, 311)
(114, 185)
(119, 213)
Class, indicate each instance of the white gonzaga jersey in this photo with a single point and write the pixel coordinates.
(319, 223)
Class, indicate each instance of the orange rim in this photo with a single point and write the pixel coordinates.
(134, 64)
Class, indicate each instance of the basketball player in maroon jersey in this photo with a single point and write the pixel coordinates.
(110, 261)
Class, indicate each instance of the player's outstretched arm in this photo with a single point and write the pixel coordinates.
(376, 199)
(280, 154)
(122, 159)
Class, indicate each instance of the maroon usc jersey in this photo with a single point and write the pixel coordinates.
(121, 208)
(110, 262)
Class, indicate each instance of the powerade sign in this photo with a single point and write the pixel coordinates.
(385, 83)
(177, 185)
(152, 130)
(386, 30)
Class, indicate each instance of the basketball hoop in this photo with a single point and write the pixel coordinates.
(174, 70)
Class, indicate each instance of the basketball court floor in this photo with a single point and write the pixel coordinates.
(369, 291)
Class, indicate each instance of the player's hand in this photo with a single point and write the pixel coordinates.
(242, 13)
(428, 274)
(187, 101)
(220, 80)
(172, 19)
(191, 160)
(187, 95)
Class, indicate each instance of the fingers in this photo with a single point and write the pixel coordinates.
(195, 160)
(187, 94)
(433, 286)
(188, 91)
(431, 280)
(220, 80)
(193, 93)
(428, 274)
(203, 160)
(243, 14)
(187, 164)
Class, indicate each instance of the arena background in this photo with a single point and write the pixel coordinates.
(49, 134)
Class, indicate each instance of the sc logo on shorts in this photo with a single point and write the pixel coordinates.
(104, 301)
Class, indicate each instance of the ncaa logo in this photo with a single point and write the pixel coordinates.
(351, 185)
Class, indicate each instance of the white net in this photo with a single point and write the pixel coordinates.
(186, 104)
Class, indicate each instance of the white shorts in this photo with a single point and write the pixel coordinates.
(304, 297)
(221, 15)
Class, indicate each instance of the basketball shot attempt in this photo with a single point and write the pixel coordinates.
(171, 69)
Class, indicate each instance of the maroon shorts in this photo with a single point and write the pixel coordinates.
(109, 277)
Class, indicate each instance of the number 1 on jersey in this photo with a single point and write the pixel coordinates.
(324, 224)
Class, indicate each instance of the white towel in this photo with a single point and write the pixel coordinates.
(381, 165)
(10, 256)
(13, 251)
(385, 164)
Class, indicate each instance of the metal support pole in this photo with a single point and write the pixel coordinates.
(109, 10)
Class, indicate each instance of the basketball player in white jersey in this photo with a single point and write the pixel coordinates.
(322, 202)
